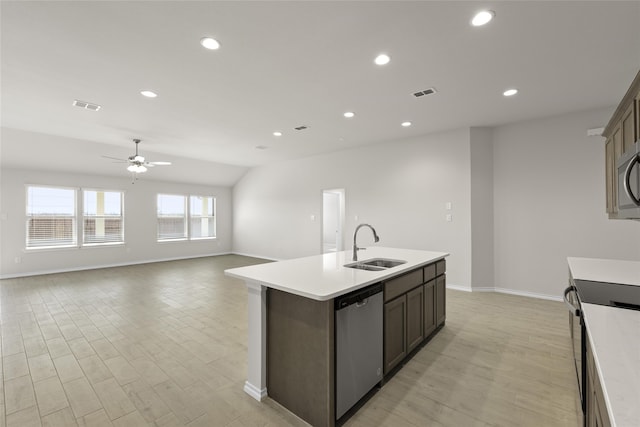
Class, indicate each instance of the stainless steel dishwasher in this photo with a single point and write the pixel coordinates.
(358, 345)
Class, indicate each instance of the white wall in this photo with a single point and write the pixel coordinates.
(549, 204)
(482, 259)
(399, 187)
(140, 224)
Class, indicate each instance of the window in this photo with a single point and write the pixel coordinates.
(173, 211)
(102, 217)
(172, 217)
(202, 220)
(51, 217)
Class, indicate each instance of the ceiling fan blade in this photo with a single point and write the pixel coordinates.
(115, 158)
(160, 163)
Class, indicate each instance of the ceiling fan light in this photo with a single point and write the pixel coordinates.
(141, 169)
(138, 158)
(131, 168)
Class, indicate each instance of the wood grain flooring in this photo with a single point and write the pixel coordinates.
(164, 344)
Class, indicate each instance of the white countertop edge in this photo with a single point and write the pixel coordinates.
(389, 273)
(370, 277)
(626, 272)
(618, 416)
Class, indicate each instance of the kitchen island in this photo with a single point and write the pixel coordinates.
(613, 336)
(291, 320)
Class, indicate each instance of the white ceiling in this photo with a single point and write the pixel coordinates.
(286, 64)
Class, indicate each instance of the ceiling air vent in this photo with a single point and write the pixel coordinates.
(425, 92)
(301, 128)
(86, 105)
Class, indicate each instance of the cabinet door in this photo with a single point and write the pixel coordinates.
(638, 116)
(441, 299)
(415, 318)
(628, 128)
(429, 307)
(395, 332)
(610, 171)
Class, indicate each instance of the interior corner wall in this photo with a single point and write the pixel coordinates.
(482, 255)
(400, 187)
(549, 202)
(139, 222)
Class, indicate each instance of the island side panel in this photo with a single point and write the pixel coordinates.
(300, 356)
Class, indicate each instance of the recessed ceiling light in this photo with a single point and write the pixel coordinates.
(483, 17)
(148, 93)
(406, 124)
(349, 114)
(277, 133)
(209, 43)
(510, 92)
(382, 59)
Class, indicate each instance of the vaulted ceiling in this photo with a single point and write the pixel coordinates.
(282, 65)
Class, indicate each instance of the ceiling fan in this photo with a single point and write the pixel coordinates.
(137, 163)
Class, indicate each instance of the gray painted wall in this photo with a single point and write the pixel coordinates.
(525, 196)
(399, 187)
(549, 191)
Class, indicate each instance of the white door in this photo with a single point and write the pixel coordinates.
(332, 220)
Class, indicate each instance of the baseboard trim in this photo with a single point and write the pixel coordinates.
(97, 267)
(256, 256)
(528, 294)
(459, 288)
(508, 291)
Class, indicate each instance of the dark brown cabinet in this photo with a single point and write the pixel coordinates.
(611, 177)
(628, 127)
(429, 307)
(415, 306)
(415, 318)
(597, 414)
(395, 338)
(441, 299)
(622, 131)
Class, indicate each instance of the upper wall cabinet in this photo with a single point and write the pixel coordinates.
(622, 131)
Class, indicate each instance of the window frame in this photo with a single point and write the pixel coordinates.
(81, 209)
(28, 217)
(213, 216)
(186, 219)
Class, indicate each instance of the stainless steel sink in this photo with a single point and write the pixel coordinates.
(376, 264)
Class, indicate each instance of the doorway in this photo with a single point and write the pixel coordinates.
(332, 220)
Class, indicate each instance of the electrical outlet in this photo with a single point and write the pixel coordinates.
(449, 218)
(447, 206)
(17, 260)
(312, 217)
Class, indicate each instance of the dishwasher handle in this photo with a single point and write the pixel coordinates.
(362, 303)
(359, 297)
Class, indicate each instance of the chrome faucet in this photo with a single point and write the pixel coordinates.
(355, 233)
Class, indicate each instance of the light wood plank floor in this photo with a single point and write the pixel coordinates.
(165, 345)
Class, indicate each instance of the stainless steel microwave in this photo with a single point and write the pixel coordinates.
(629, 183)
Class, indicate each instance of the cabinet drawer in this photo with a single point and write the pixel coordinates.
(441, 267)
(430, 272)
(401, 285)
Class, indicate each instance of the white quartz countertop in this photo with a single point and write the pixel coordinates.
(323, 277)
(614, 334)
(605, 270)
